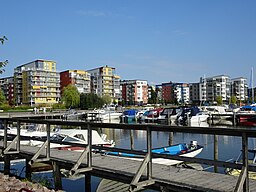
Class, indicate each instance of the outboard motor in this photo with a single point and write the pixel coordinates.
(193, 145)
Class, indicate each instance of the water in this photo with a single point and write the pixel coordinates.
(229, 149)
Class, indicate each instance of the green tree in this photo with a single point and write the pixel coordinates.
(219, 100)
(153, 98)
(106, 99)
(71, 96)
(2, 97)
(90, 100)
(233, 100)
(3, 63)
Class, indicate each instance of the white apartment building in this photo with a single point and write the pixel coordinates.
(181, 93)
(239, 88)
(217, 86)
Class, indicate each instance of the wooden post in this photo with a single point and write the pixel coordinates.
(149, 150)
(7, 164)
(132, 139)
(5, 134)
(188, 120)
(212, 119)
(216, 152)
(57, 176)
(168, 118)
(89, 139)
(28, 170)
(49, 140)
(170, 138)
(18, 135)
(87, 178)
(245, 161)
(170, 133)
(234, 119)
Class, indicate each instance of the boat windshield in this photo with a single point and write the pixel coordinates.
(71, 139)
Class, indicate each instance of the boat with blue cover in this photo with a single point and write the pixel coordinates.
(128, 116)
(182, 149)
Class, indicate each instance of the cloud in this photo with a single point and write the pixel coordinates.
(90, 13)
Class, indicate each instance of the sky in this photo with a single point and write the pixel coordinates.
(154, 40)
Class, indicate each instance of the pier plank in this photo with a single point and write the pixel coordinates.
(199, 180)
(167, 175)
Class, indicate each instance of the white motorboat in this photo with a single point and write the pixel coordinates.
(173, 113)
(107, 114)
(192, 114)
(65, 135)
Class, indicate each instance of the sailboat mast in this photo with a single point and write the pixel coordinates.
(252, 85)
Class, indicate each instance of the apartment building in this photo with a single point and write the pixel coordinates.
(36, 83)
(181, 92)
(197, 92)
(217, 86)
(239, 88)
(7, 86)
(174, 92)
(134, 92)
(104, 81)
(79, 78)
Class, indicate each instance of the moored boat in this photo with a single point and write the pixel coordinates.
(153, 115)
(173, 113)
(128, 116)
(251, 161)
(192, 114)
(182, 149)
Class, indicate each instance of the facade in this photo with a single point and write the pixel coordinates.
(36, 83)
(197, 92)
(216, 86)
(174, 92)
(181, 93)
(79, 78)
(134, 92)
(7, 86)
(104, 81)
(239, 88)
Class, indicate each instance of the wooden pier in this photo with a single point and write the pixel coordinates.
(137, 174)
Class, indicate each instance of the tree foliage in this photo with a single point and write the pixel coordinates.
(233, 100)
(219, 100)
(106, 99)
(3, 63)
(2, 98)
(153, 98)
(71, 96)
(90, 100)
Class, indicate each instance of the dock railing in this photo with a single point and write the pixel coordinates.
(242, 183)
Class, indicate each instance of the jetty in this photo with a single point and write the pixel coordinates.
(138, 174)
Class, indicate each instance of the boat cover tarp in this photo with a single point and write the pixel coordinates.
(249, 108)
(130, 112)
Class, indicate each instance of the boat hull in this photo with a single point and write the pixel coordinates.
(179, 149)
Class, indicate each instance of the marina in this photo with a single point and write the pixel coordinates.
(142, 174)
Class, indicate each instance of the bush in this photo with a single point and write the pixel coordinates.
(58, 106)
